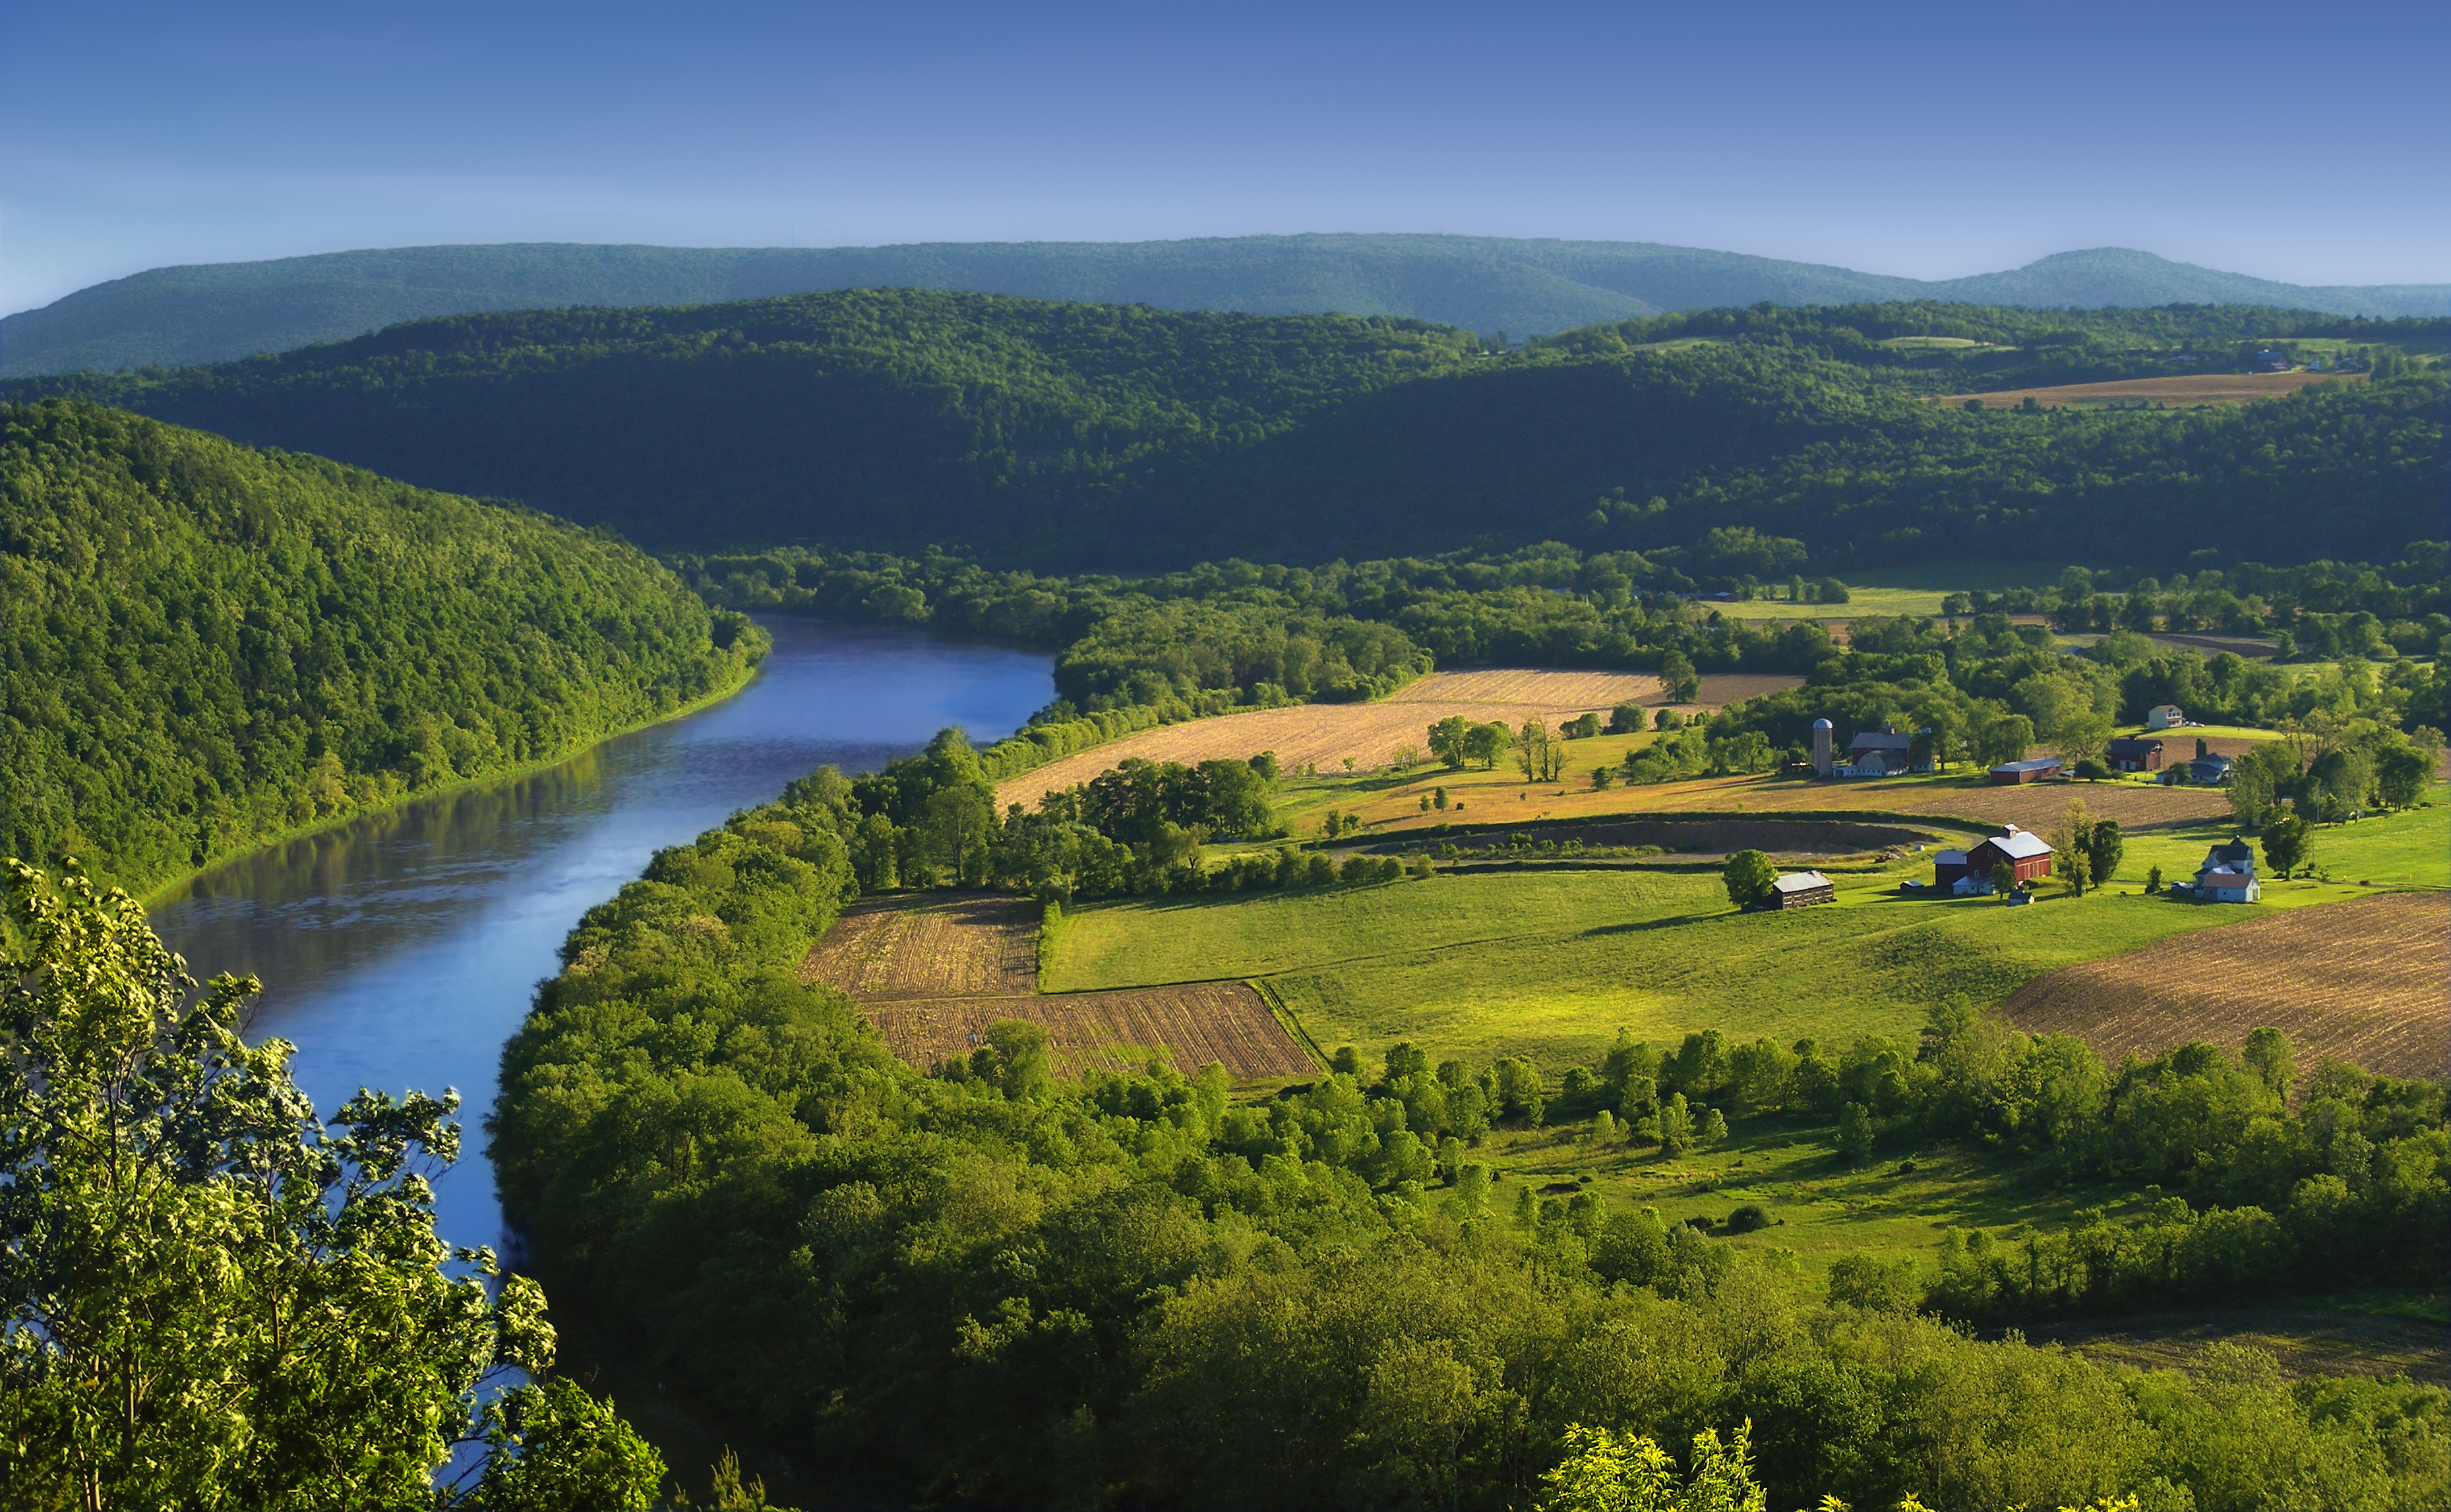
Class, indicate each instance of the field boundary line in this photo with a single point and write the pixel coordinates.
(1287, 1018)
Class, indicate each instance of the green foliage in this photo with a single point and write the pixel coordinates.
(208, 644)
(1082, 436)
(1748, 876)
(932, 1289)
(2288, 841)
(217, 1299)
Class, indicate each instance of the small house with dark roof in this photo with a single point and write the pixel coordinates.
(2135, 753)
(2228, 875)
(2028, 856)
(2032, 770)
(2207, 771)
(1795, 889)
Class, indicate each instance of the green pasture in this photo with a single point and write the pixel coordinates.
(1552, 964)
(2408, 849)
(1918, 590)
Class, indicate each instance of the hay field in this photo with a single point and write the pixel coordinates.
(1371, 733)
(2364, 981)
(1502, 798)
(2185, 391)
(932, 972)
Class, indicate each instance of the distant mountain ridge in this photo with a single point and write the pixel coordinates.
(220, 311)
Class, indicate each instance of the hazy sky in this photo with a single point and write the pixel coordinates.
(2304, 143)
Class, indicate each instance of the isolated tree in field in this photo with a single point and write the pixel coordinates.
(1626, 719)
(1451, 740)
(2072, 839)
(1532, 749)
(1748, 876)
(1677, 676)
(1439, 799)
(1854, 1134)
(2399, 775)
(2103, 848)
(1485, 743)
(217, 1299)
(2287, 842)
(1603, 777)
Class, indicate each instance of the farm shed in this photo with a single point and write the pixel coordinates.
(2135, 753)
(2027, 855)
(2031, 769)
(1795, 889)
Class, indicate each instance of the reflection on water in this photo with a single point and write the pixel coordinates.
(399, 951)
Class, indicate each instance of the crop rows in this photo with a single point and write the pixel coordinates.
(2361, 981)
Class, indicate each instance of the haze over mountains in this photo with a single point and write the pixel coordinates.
(216, 312)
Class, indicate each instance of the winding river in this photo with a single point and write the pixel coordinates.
(399, 951)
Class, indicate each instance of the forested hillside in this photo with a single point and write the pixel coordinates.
(217, 312)
(1074, 435)
(208, 644)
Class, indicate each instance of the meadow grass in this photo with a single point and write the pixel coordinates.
(1552, 964)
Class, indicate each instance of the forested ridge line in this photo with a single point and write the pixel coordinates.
(981, 1287)
(1077, 436)
(208, 644)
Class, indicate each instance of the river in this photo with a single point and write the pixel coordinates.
(399, 951)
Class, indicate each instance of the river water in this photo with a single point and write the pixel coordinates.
(399, 951)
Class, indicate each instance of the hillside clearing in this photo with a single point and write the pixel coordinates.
(2187, 389)
(932, 972)
(2363, 981)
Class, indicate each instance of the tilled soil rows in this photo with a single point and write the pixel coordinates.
(934, 970)
(1190, 1026)
(2362, 981)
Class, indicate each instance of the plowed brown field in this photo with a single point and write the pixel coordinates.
(1371, 733)
(2363, 981)
(932, 973)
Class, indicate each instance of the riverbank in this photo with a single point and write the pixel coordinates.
(154, 897)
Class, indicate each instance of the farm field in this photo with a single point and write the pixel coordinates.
(934, 972)
(2409, 849)
(1912, 590)
(1552, 964)
(1391, 802)
(2185, 390)
(1372, 734)
(2364, 981)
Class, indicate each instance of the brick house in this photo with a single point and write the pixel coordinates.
(2135, 753)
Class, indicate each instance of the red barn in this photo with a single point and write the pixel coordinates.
(2027, 855)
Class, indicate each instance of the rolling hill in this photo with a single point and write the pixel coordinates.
(208, 644)
(216, 312)
(1099, 437)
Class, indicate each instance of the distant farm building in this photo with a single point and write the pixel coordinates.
(2270, 362)
(1967, 873)
(1883, 753)
(1795, 889)
(2228, 875)
(2165, 717)
(2132, 754)
(2031, 769)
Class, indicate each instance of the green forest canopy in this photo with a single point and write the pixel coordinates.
(1073, 436)
(208, 644)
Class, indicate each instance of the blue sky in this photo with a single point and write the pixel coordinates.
(2306, 144)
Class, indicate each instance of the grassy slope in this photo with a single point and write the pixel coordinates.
(1552, 962)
